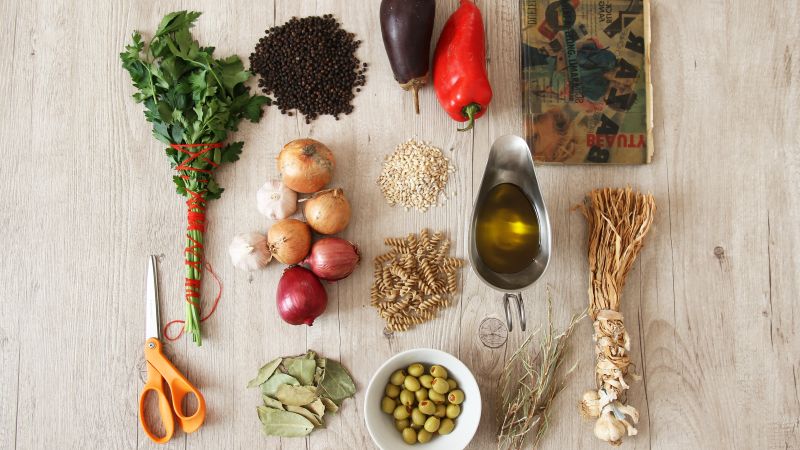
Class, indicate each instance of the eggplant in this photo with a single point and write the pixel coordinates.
(407, 28)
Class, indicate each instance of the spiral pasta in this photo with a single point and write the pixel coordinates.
(414, 280)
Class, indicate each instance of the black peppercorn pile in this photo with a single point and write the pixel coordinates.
(309, 65)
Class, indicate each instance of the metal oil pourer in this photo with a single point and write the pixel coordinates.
(510, 234)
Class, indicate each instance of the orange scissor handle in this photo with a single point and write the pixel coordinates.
(160, 371)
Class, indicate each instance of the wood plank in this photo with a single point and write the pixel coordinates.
(87, 195)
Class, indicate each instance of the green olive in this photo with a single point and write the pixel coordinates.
(432, 424)
(401, 412)
(446, 426)
(441, 411)
(410, 436)
(426, 381)
(440, 385)
(406, 397)
(453, 411)
(416, 370)
(417, 418)
(411, 383)
(421, 394)
(427, 407)
(438, 372)
(452, 383)
(435, 396)
(397, 378)
(415, 426)
(392, 391)
(401, 424)
(424, 436)
(388, 405)
(456, 397)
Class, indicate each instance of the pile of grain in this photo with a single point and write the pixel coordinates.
(414, 280)
(414, 175)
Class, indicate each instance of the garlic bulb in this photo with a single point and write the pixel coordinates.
(590, 405)
(250, 251)
(610, 429)
(276, 201)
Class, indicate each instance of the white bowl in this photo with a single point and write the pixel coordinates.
(381, 425)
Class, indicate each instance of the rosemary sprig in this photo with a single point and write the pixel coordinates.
(529, 383)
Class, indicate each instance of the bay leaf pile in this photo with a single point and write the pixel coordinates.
(297, 392)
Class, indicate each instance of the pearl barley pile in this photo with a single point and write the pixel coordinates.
(414, 175)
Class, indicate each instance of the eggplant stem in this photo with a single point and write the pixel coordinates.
(415, 89)
(469, 112)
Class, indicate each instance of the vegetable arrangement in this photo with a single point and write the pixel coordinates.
(298, 391)
(193, 101)
(306, 166)
(619, 220)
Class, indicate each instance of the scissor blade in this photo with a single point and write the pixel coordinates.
(152, 316)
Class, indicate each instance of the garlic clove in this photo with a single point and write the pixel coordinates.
(250, 251)
(276, 201)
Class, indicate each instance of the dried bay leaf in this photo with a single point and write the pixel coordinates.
(330, 406)
(283, 423)
(264, 373)
(317, 407)
(305, 413)
(337, 384)
(271, 386)
(303, 369)
(295, 395)
(271, 402)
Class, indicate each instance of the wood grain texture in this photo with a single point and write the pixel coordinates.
(86, 195)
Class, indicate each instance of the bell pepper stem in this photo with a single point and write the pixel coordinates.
(469, 112)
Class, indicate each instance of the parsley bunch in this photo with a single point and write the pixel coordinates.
(191, 98)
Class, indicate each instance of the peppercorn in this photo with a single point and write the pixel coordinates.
(309, 65)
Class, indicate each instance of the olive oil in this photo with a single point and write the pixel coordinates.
(507, 230)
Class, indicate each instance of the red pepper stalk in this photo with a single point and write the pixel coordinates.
(459, 66)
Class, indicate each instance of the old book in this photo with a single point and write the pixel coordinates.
(586, 81)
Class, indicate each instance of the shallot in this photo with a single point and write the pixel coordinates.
(333, 258)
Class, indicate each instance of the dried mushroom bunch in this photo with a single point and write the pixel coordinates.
(297, 392)
(619, 220)
(414, 280)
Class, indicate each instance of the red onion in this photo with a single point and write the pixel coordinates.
(301, 298)
(333, 258)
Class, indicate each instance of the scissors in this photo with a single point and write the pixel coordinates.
(162, 374)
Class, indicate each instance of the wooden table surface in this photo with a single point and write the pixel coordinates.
(86, 194)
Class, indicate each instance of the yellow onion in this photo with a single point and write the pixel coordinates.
(328, 212)
(306, 165)
(289, 240)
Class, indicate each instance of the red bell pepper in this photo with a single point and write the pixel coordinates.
(459, 66)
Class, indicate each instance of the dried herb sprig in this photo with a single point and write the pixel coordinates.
(529, 383)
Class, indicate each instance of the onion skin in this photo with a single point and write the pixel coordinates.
(301, 298)
(289, 240)
(328, 212)
(306, 165)
(333, 259)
